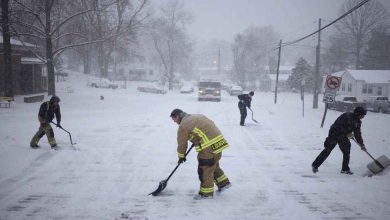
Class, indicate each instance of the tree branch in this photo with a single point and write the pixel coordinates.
(69, 18)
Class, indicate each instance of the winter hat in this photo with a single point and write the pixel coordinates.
(176, 112)
(360, 111)
(251, 93)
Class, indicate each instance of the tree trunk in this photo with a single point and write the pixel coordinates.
(7, 82)
(49, 50)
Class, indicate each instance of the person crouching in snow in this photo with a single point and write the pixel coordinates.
(339, 133)
(209, 143)
(45, 116)
(244, 102)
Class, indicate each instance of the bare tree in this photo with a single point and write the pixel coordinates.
(7, 77)
(122, 18)
(170, 39)
(46, 25)
(250, 52)
(357, 27)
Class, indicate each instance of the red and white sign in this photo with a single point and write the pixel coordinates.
(332, 82)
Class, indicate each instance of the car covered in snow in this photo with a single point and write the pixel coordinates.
(101, 83)
(235, 90)
(187, 88)
(151, 89)
(378, 104)
(345, 103)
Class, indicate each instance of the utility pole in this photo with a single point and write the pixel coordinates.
(317, 73)
(219, 60)
(277, 72)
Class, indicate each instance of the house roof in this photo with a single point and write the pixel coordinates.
(282, 77)
(370, 76)
(16, 42)
(31, 60)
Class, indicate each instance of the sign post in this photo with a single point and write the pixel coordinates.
(332, 85)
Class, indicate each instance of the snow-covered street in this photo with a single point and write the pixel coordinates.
(126, 144)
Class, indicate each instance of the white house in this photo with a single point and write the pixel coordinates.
(364, 83)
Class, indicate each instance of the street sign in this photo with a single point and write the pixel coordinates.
(332, 82)
(329, 96)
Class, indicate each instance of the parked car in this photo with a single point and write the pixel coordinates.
(345, 103)
(101, 83)
(378, 104)
(152, 89)
(235, 90)
(187, 88)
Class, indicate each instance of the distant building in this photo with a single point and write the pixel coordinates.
(29, 72)
(140, 72)
(363, 83)
(268, 80)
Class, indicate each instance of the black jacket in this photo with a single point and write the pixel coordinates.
(346, 123)
(244, 101)
(47, 111)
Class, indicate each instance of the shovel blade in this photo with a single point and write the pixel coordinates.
(379, 165)
(161, 187)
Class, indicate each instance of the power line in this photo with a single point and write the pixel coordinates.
(342, 16)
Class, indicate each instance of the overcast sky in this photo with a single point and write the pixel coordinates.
(291, 18)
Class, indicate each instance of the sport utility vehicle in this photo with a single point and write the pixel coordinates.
(209, 90)
(378, 104)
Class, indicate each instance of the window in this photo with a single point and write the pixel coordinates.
(369, 89)
(379, 91)
(342, 86)
(364, 89)
(349, 87)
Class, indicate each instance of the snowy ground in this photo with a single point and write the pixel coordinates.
(126, 144)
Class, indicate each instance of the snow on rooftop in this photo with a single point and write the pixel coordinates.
(371, 76)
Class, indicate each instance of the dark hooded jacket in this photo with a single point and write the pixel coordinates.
(346, 123)
(48, 110)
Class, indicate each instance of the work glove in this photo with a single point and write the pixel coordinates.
(350, 135)
(363, 147)
(59, 125)
(181, 160)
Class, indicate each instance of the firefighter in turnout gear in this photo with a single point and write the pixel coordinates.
(46, 114)
(346, 126)
(209, 143)
(244, 102)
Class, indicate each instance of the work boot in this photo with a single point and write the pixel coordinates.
(314, 169)
(201, 196)
(347, 172)
(34, 146)
(54, 147)
(224, 187)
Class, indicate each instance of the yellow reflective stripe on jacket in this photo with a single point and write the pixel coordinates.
(221, 178)
(181, 155)
(202, 135)
(206, 190)
(218, 143)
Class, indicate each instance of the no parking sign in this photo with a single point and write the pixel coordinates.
(332, 85)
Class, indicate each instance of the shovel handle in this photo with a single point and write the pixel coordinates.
(377, 162)
(177, 166)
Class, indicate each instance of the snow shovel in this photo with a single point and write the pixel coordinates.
(252, 117)
(163, 183)
(70, 136)
(378, 165)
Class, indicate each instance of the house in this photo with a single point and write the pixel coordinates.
(29, 72)
(268, 80)
(364, 83)
(139, 72)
